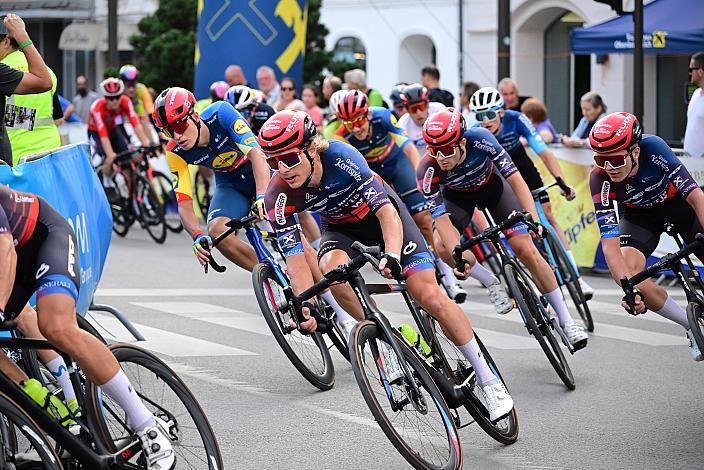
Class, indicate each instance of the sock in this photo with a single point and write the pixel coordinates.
(674, 312)
(475, 357)
(107, 182)
(315, 243)
(342, 315)
(570, 255)
(483, 275)
(448, 277)
(557, 301)
(120, 389)
(58, 369)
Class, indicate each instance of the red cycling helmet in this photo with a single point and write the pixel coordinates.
(617, 131)
(444, 128)
(353, 105)
(286, 130)
(112, 87)
(173, 105)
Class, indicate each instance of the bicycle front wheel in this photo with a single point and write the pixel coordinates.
(419, 426)
(150, 209)
(695, 316)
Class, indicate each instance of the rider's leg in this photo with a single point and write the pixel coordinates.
(234, 249)
(310, 229)
(342, 292)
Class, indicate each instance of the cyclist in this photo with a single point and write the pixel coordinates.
(217, 93)
(465, 168)
(333, 123)
(244, 99)
(398, 108)
(652, 187)
(106, 132)
(38, 254)
(333, 178)
(137, 93)
(508, 127)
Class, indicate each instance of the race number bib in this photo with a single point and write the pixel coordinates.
(17, 117)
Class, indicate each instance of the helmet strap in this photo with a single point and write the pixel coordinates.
(634, 164)
(312, 167)
(198, 124)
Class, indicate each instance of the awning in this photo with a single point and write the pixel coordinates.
(669, 27)
(94, 37)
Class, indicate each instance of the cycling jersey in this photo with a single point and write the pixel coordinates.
(142, 101)
(230, 141)
(660, 177)
(415, 132)
(18, 214)
(103, 121)
(386, 142)
(258, 116)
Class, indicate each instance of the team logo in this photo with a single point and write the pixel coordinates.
(43, 269)
(280, 209)
(428, 179)
(410, 247)
(605, 189)
(240, 127)
(224, 160)
(71, 256)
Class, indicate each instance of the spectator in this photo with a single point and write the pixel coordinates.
(266, 79)
(538, 115)
(694, 134)
(468, 89)
(330, 85)
(288, 98)
(399, 108)
(84, 99)
(309, 96)
(509, 92)
(431, 80)
(235, 76)
(356, 79)
(593, 108)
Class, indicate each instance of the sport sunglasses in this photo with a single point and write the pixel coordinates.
(357, 122)
(614, 161)
(289, 160)
(446, 151)
(490, 115)
(177, 127)
(416, 107)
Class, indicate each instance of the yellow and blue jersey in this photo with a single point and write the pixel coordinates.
(387, 139)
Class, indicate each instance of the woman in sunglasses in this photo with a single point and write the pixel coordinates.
(219, 139)
(467, 168)
(288, 98)
(508, 127)
(652, 187)
(333, 179)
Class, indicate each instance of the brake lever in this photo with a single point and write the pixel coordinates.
(460, 262)
(629, 296)
(211, 261)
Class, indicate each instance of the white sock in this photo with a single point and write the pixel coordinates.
(107, 181)
(448, 277)
(342, 315)
(475, 357)
(120, 389)
(483, 275)
(557, 301)
(674, 312)
(315, 243)
(58, 369)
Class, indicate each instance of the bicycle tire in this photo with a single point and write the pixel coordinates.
(163, 187)
(150, 209)
(367, 331)
(202, 193)
(16, 422)
(695, 316)
(567, 275)
(115, 430)
(524, 295)
(311, 348)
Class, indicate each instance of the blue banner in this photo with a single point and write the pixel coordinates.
(249, 34)
(67, 181)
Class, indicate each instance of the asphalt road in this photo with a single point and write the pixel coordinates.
(637, 402)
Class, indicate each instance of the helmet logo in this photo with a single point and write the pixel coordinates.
(624, 125)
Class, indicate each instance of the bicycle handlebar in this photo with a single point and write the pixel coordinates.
(558, 182)
(233, 225)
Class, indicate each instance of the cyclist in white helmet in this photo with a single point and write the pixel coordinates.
(244, 99)
(333, 122)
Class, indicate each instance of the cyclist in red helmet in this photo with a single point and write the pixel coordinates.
(467, 168)
(333, 179)
(220, 139)
(652, 187)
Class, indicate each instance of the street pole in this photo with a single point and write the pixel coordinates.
(461, 40)
(113, 57)
(504, 37)
(638, 61)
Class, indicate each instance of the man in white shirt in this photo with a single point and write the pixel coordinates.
(694, 134)
(415, 99)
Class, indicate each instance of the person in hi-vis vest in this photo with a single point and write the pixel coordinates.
(30, 118)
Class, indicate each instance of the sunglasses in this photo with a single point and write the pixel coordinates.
(177, 127)
(357, 122)
(113, 98)
(289, 160)
(446, 151)
(614, 161)
(415, 107)
(490, 115)
(285, 88)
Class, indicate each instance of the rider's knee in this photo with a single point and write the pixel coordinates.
(61, 335)
(433, 300)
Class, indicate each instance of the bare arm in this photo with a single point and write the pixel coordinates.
(260, 169)
(412, 153)
(188, 216)
(7, 268)
(141, 135)
(449, 235)
(548, 157)
(37, 79)
(391, 228)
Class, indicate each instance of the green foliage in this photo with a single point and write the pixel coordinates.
(164, 49)
(111, 72)
(317, 58)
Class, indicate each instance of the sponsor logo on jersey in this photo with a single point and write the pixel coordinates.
(485, 146)
(605, 189)
(349, 167)
(20, 198)
(410, 247)
(240, 127)
(71, 256)
(280, 209)
(250, 140)
(428, 179)
(43, 269)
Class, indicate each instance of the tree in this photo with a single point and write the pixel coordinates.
(165, 46)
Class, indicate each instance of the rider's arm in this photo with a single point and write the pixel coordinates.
(520, 188)
(413, 156)
(260, 169)
(391, 228)
(400, 137)
(181, 179)
(37, 79)
(603, 197)
(449, 235)
(8, 260)
(696, 200)
(131, 114)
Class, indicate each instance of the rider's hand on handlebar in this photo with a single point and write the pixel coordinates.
(258, 207)
(638, 304)
(310, 324)
(462, 275)
(390, 266)
(569, 196)
(200, 239)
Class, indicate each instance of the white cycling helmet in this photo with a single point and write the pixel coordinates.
(485, 99)
(241, 97)
(336, 98)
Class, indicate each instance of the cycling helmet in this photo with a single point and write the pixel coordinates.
(335, 99)
(353, 105)
(414, 93)
(241, 97)
(444, 128)
(128, 73)
(395, 95)
(486, 99)
(112, 87)
(614, 132)
(286, 130)
(217, 90)
(173, 105)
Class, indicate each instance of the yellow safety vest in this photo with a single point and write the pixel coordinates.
(44, 135)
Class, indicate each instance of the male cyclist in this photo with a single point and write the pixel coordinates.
(137, 92)
(38, 254)
(333, 179)
(508, 127)
(652, 187)
(467, 168)
(244, 99)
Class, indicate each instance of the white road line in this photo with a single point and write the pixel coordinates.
(614, 309)
(178, 292)
(634, 335)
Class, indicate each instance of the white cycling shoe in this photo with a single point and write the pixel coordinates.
(498, 401)
(693, 348)
(456, 293)
(498, 296)
(576, 335)
(157, 446)
(587, 290)
(391, 365)
(346, 327)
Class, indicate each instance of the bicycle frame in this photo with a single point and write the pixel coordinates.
(685, 275)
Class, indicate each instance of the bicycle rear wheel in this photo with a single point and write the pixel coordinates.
(308, 353)
(529, 305)
(163, 188)
(419, 427)
(150, 209)
(695, 315)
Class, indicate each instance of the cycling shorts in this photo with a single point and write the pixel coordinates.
(234, 193)
(119, 140)
(401, 176)
(47, 263)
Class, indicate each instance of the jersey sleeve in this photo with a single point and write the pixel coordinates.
(428, 177)
(397, 132)
(4, 223)
(96, 117)
(237, 128)
(282, 211)
(128, 110)
(180, 176)
(603, 197)
(527, 130)
(480, 139)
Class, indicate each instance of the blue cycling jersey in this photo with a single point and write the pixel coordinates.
(660, 176)
(386, 142)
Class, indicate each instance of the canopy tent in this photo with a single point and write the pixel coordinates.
(669, 27)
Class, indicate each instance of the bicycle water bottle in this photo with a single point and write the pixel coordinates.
(415, 339)
(51, 404)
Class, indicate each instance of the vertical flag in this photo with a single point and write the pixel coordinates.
(249, 33)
